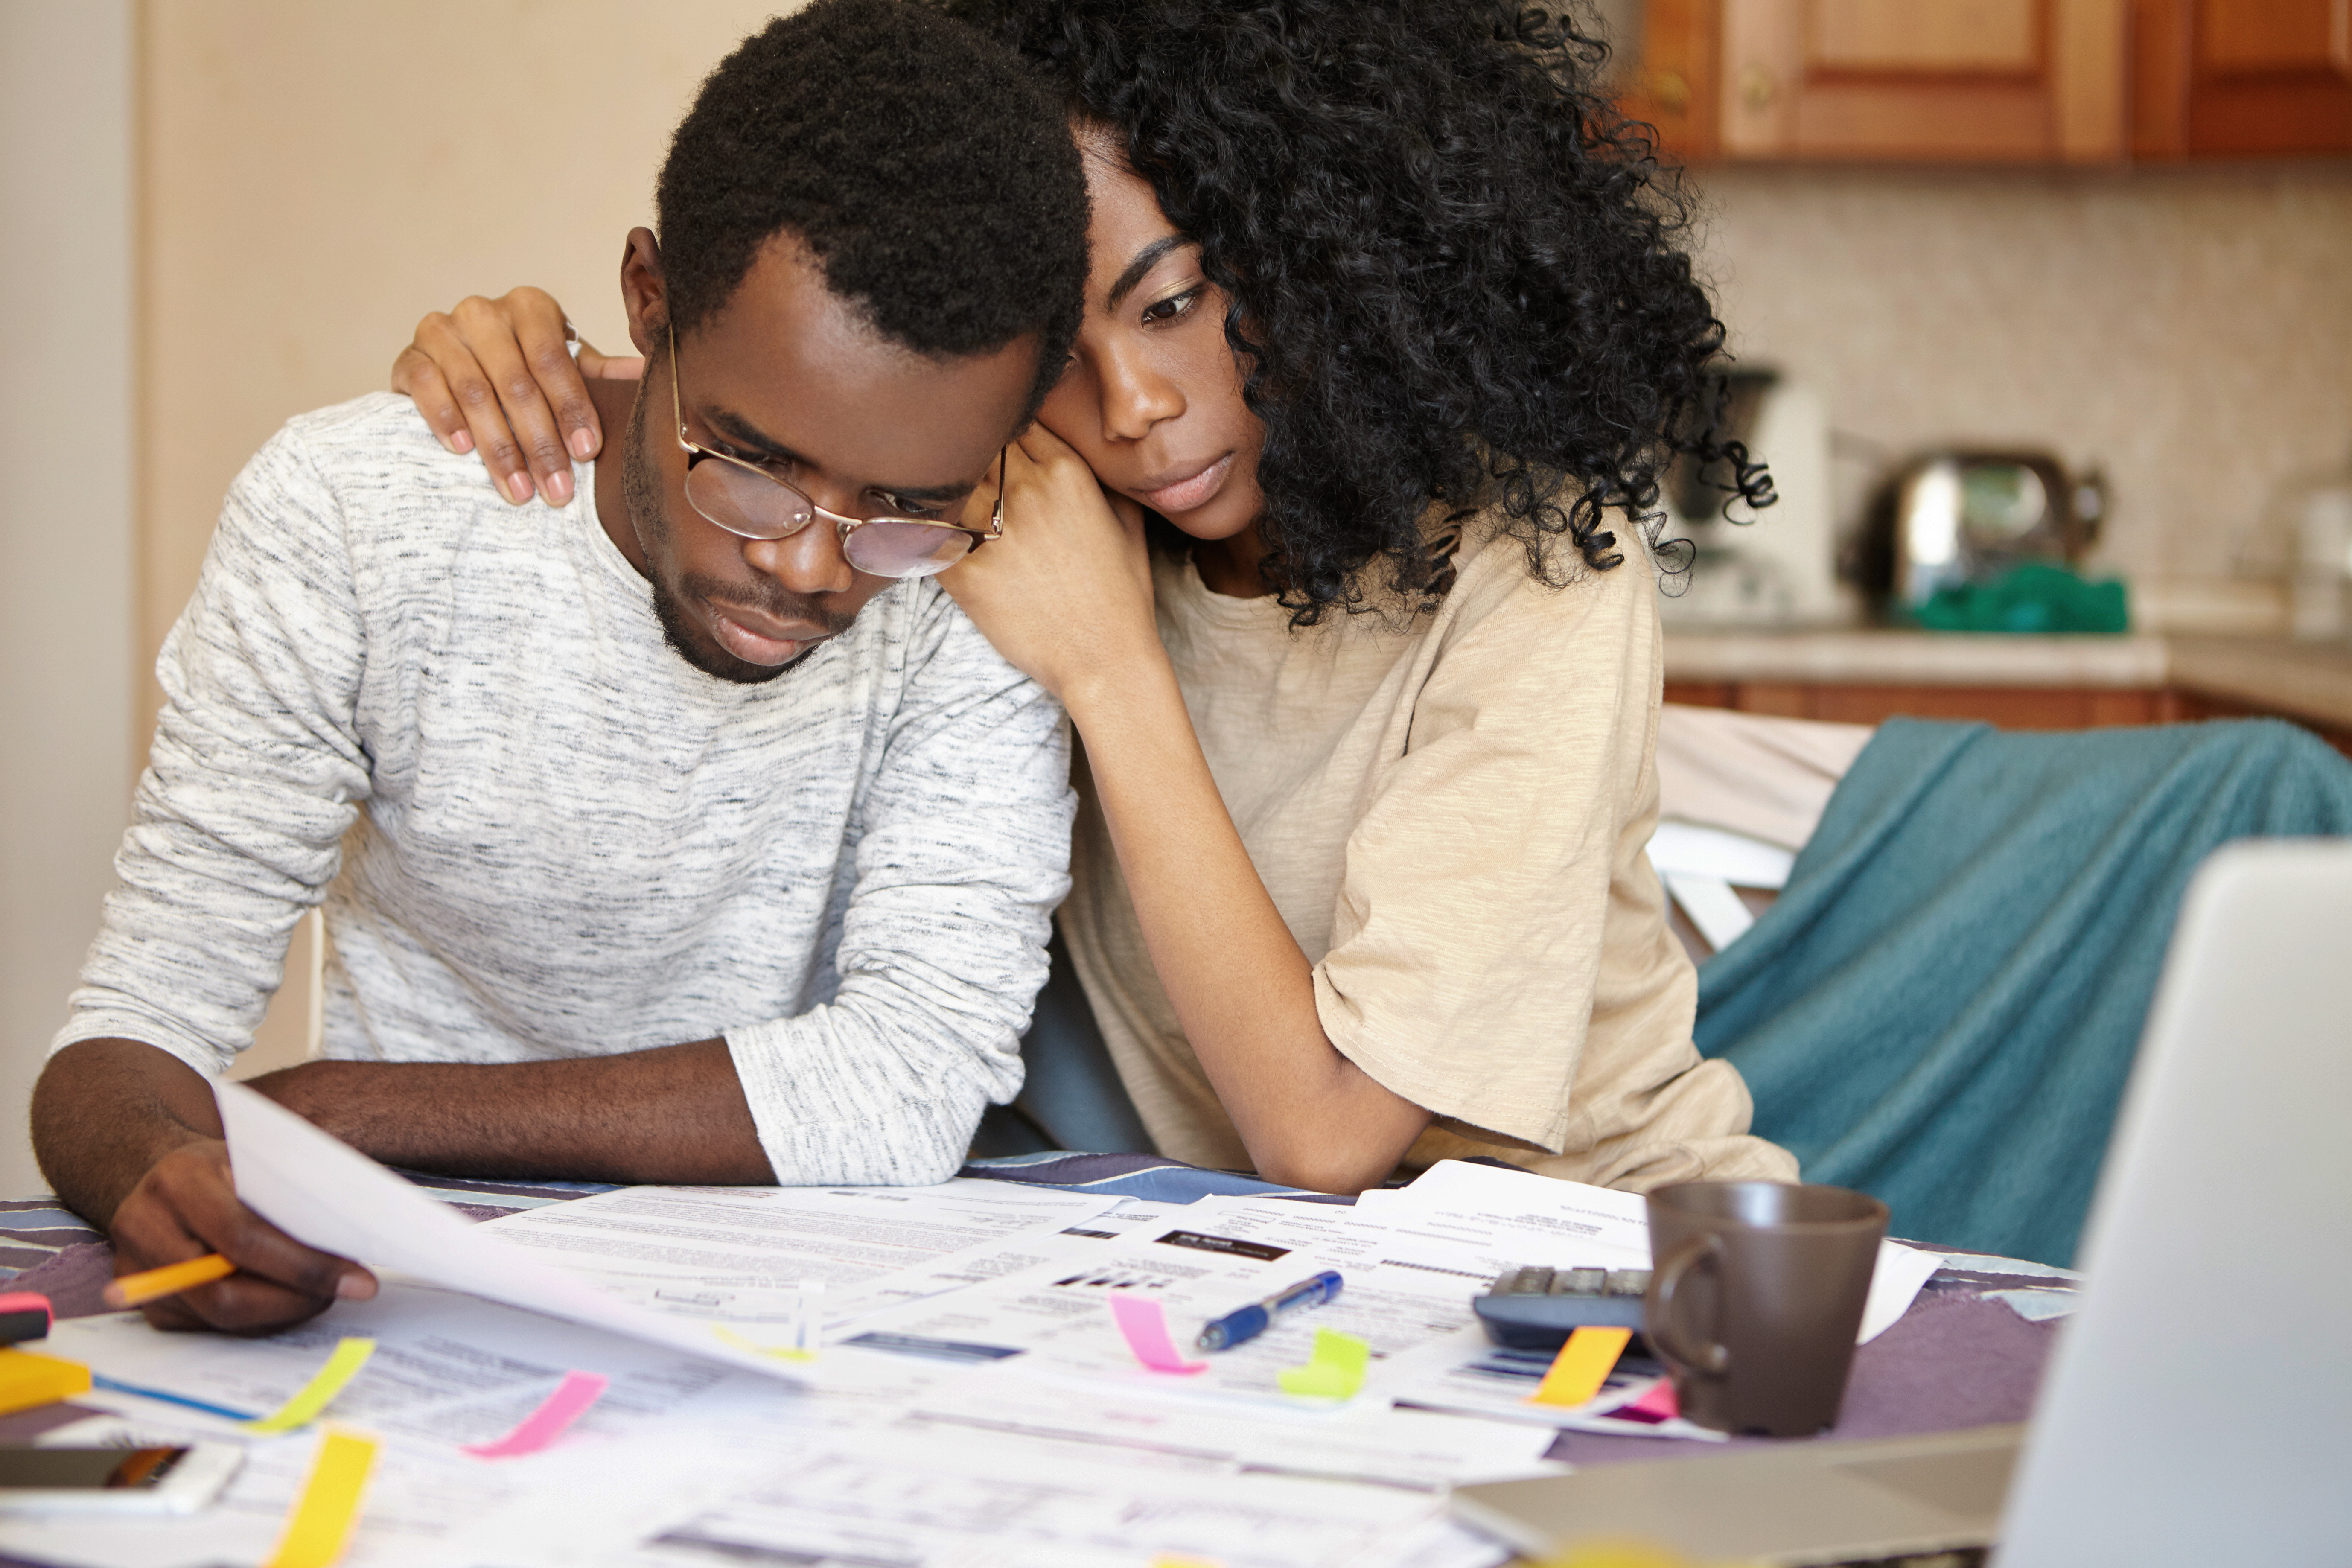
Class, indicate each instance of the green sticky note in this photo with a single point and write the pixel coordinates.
(1336, 1370)
(350, 1354)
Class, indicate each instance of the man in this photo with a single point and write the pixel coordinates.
(660, 839)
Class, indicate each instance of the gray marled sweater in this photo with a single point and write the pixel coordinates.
(539, 832)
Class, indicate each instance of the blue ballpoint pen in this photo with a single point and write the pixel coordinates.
(1251, 1320)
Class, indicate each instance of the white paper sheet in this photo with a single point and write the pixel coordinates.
(747, 1255)
(1067, 1453)
(941, 1501)
(2008, 1267)
(1074, 1244)
(416, 1505)
(1204, 1260)
(1424, 1450)
(323, 1192)
(1469, 1376)
(448, 1369)
(1518, 1217)
(2038, 1306)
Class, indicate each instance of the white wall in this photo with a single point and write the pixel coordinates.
(315, 177)
(67, 451)
(2188, 327)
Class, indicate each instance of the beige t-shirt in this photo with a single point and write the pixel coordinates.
(1449, 817)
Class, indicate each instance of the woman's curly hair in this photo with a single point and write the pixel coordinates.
(1455, 270)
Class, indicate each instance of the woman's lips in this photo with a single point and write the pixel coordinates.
(1191, 493)
(758, 647)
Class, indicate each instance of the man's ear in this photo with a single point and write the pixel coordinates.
(643, 293)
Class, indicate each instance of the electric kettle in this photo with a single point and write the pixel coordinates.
(1948, 519)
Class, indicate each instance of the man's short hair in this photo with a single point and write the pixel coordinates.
(926, 167)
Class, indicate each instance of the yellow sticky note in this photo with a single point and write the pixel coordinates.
(320, 1523)
(313, 1396)
(26, 1380)
(741, 1341)
(1336, 1370)
(1617, 1555)
(1582, 1366)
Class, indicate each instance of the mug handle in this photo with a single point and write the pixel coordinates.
(1659, 1315)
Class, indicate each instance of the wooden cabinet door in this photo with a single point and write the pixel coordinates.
(2222, 77)
(1931, 80)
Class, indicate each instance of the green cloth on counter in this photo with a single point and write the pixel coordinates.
(1943, 1006)
(2035, 596)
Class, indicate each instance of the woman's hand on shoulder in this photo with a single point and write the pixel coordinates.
(496, 376)
(1066, 594)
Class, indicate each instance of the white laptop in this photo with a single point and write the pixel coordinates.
(2199, 1406)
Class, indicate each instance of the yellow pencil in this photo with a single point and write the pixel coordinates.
(136, 1289)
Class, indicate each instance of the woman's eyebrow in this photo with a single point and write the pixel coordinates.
(1150, 257)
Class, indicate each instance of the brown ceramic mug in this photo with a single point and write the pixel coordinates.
(1755, 1294)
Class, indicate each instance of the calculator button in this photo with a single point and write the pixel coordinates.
(1578, 1282)
(1531, 1282)
(1629, 1281)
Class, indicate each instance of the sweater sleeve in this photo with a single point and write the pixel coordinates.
(255, 773)
(962, 857)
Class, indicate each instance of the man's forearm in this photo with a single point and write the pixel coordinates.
(105, 1111)
(673, 1115)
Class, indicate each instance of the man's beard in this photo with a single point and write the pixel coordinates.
(642, 491)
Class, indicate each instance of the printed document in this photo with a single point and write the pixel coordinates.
(747, 1255)
(1203, 1261)
(321, 1191)
(1515, 1218)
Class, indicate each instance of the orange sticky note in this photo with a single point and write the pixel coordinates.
(1582, 1366)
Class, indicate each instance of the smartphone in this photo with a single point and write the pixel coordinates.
(122, 1482)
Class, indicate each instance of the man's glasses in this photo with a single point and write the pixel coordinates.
(751, 501)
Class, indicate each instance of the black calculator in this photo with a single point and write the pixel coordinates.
(1538, 1308)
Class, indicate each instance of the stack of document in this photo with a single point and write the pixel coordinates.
(914, 1377)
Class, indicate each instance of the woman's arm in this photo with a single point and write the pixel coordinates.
(1066, 597)
(497, 376)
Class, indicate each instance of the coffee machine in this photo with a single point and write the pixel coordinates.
(1772, 568)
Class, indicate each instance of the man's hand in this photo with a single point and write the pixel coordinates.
(129, 1138)
(185, 1206)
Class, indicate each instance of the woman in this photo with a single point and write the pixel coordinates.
(1386, 318)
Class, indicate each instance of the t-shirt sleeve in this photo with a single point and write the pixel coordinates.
(962, 855)
(1499, 954)
(255, 773)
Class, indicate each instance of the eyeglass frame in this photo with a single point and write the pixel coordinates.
(696, 452)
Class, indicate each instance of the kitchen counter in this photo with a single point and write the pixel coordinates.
(2307, 680)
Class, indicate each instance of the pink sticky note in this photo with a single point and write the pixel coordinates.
(1657, 1405)
(554, 1417)
(1146, 1328)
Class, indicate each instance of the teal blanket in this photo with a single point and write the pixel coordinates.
(1942, 1007)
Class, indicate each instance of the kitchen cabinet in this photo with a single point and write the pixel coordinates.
(2008, 707)
(1994, 81)
(2017, 683)
(2004, 707)
(2240, 78)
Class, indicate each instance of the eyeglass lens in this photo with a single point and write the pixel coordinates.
(755, 507)
(902, 547)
